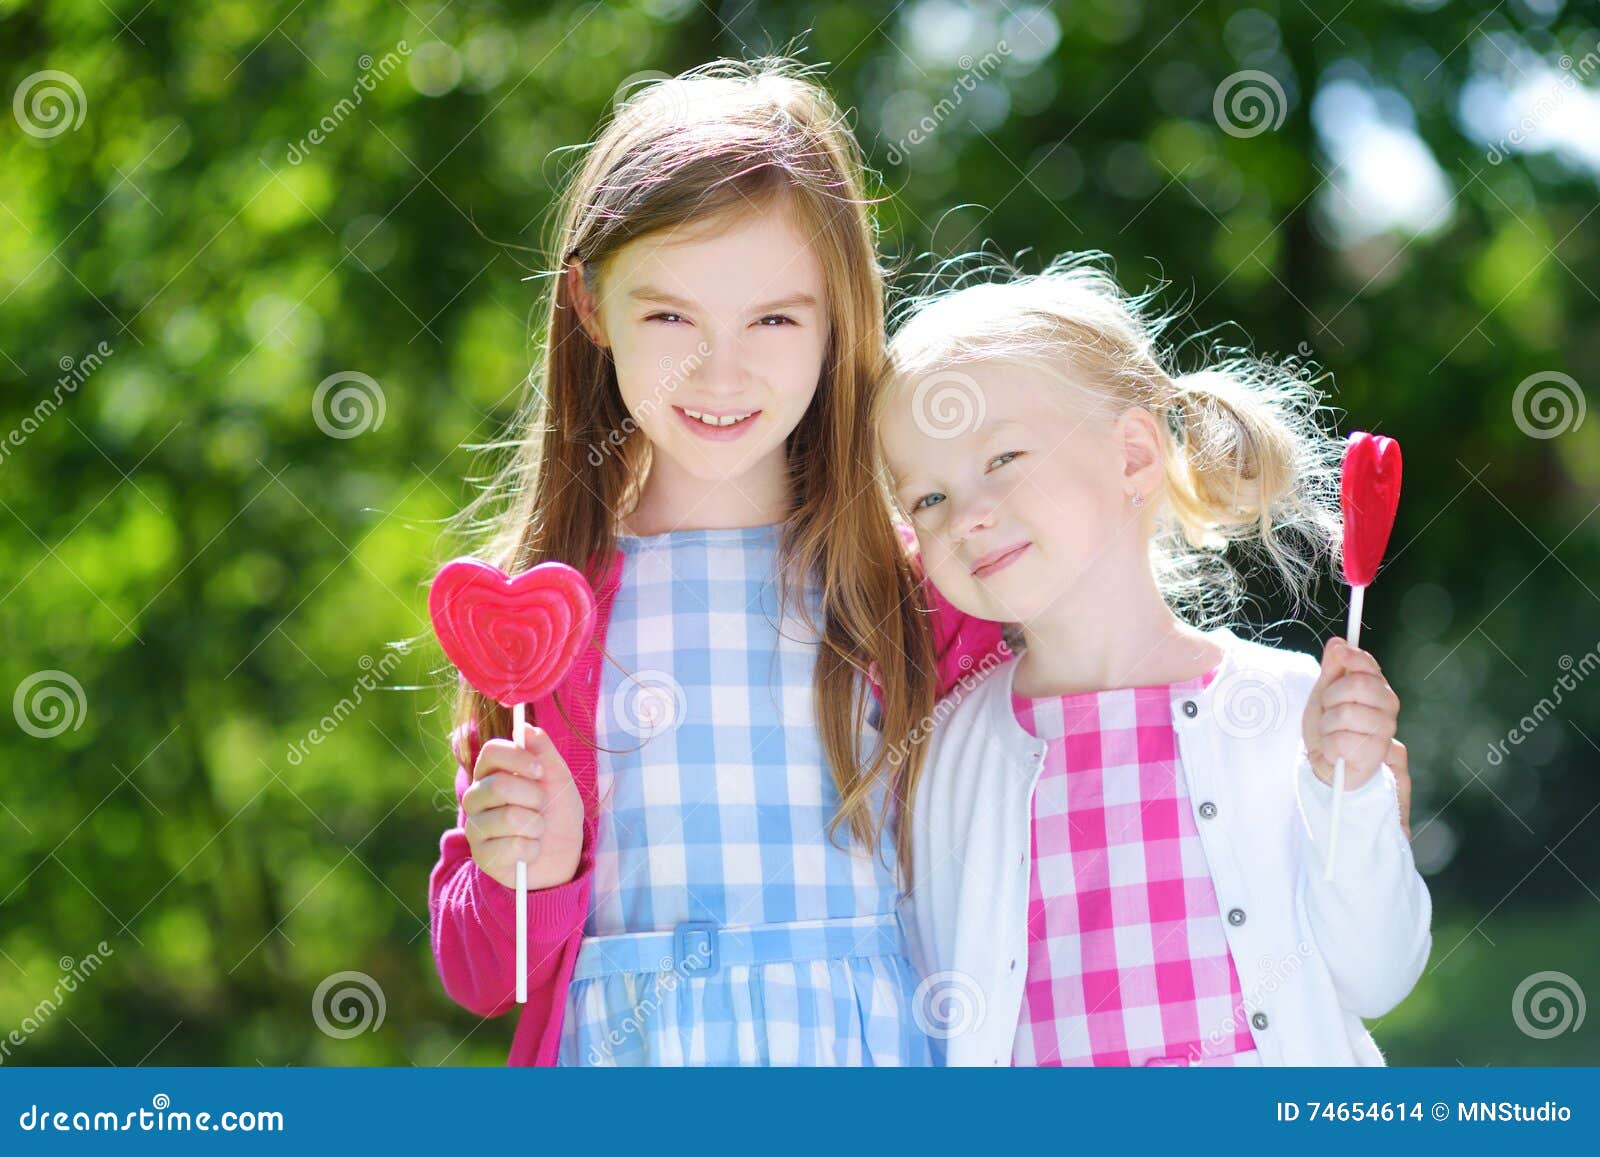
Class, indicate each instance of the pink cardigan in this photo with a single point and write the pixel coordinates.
(474, 917)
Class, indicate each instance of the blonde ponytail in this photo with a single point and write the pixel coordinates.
(1252, 465)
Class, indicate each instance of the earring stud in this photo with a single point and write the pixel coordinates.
(1138, 499)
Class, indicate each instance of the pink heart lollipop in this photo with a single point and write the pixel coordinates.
(514, 639)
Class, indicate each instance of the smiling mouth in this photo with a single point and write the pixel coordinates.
(998, 560)
(712, 427)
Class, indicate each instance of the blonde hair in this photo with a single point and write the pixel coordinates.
(1248, 460)
(729, 138)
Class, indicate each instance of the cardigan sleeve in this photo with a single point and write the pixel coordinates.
(1372, 921)
(473, 917)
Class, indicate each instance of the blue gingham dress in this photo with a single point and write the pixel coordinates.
(715, 800)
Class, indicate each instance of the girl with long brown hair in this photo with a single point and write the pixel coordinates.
(706, 805)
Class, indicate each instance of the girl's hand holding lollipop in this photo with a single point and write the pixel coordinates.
(514, 639)
(1352, 713)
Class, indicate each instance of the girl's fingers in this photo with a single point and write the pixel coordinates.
(503, 755)
(1355, 659)
(1332, 667)
(1339, 658)
(505, 823)
(502, 789)
(1355, 746)
(1359, 719)
(514, 848)
(536, 741)
(552, 768)
(1370, 689)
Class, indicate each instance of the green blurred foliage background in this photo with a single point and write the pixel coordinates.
(222, 578)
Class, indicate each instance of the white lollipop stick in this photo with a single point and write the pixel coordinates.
(1353, 636)
(519, 716)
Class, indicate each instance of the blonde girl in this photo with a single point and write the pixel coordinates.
(702, 803)
(1119, 836)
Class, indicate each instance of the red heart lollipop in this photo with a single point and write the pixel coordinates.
(513, 638)
(1370, 494)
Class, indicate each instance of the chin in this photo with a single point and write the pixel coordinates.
(1010, 597)
(714, 463)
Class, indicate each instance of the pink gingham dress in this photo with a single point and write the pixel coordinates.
(1128, 963)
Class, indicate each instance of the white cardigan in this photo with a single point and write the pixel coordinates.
(1313, 957)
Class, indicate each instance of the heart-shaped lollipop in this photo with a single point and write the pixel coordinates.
(514, 639)
(1369, 492)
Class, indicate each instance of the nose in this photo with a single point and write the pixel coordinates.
(972, 515)
(720, 369)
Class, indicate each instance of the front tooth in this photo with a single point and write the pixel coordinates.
(712, 420)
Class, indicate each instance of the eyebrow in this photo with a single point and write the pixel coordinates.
(793, 300)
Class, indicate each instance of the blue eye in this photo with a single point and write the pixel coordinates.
(923, 503)
(1002, 459)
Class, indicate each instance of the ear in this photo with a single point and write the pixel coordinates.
(583, 301)
(1143, 452)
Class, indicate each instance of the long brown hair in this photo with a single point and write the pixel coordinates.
(732, 138)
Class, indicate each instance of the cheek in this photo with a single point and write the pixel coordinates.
(792, 364)
(939, 560)
(1059, 502)
(648, 373)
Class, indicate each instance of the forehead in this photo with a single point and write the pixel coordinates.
(733, 259)
(949, 409)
